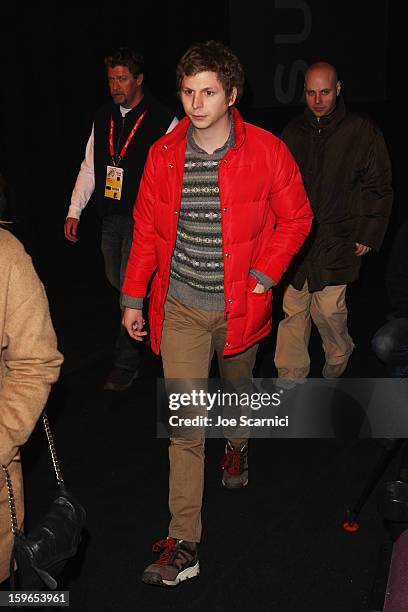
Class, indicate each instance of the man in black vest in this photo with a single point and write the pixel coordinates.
(122, 134)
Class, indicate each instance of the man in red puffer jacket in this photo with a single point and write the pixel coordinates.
(221, 212)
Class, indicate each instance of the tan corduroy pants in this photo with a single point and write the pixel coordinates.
(328, 310)
(190, 338)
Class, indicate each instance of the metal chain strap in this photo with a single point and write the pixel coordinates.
(57, 469)
(12, 504)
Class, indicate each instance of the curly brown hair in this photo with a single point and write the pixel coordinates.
(213, 56)
(129, 58)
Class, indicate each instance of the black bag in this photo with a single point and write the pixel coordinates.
(42, 553)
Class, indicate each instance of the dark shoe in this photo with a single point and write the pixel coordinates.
(289, 383)
(119, 379)
(334, 371)
(295, 374)
(235, 466)
(177, 562)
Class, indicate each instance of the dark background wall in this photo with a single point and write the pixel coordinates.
(53, 80)
(292, 34)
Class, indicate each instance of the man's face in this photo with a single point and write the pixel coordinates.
(321, 91)
(204, 100)
(125, 89)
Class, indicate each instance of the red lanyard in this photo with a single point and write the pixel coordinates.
(129, 138)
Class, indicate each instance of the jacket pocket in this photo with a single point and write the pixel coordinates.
(258, 309)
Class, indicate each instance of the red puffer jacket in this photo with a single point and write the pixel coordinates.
(266, 217)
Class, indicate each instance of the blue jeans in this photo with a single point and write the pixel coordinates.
(117, 235)
(390, 344)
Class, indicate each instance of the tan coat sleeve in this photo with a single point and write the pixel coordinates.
(30, 361)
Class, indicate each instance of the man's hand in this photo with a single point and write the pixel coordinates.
(259, 288)
(361, 249)
(133, 321)
(71, 228)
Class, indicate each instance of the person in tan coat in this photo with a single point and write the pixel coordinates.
(29, 364)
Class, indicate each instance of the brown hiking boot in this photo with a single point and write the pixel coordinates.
(235, 466)
(177, 562)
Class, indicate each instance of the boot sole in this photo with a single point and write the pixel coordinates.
(232, 486)
(157, 580)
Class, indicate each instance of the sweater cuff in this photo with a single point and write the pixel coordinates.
(262, 278)
(127, 301)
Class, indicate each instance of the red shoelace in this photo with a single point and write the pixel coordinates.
(232, 462)
(167, 546)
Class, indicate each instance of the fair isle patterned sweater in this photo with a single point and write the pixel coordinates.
(197, 267)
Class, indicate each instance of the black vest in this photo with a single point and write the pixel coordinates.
(154, 124)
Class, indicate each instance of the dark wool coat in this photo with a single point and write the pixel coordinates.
(346, 171)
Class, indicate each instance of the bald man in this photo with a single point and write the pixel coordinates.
(346, 171)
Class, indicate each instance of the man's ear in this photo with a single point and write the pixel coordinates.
(233, 96)
(139, 79)
(338, 88)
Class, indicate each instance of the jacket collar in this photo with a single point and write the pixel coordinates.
(178, 135)
(328, 122)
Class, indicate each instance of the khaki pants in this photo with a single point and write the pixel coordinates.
(327, 309)
(190, 337)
